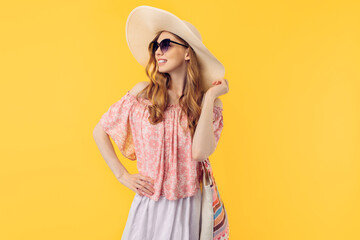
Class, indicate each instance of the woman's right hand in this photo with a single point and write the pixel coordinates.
(138, 183)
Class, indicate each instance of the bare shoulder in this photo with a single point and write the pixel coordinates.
(218, 102)
(138, 87)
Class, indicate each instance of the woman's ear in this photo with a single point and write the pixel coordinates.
(187, 55)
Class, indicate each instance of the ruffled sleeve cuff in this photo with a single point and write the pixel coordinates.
(116, 123)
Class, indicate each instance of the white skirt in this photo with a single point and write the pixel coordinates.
(164, 219)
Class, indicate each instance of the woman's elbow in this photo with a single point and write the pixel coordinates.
(200, 157)
(203, 155)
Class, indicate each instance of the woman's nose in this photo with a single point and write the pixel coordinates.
(158, 51)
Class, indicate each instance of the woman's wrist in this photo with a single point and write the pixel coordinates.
(122, 175)
(209, 96)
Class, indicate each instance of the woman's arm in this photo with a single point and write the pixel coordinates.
(203, 144)
(106, 148)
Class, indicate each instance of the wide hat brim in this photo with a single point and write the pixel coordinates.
(144, 22)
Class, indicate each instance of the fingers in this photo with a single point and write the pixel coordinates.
(145, 178)
(146, 184)
(222, 81)
(144, 189)
(216, 82)
(138, 191)
(148, 187)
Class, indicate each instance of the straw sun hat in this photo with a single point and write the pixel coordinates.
(144, 22)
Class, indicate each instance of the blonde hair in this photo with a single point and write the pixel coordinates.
(156, 90)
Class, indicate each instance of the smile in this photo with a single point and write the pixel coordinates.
(162, 62)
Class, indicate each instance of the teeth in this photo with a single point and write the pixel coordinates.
(160, 61)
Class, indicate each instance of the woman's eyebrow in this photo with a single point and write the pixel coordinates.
(164, 39)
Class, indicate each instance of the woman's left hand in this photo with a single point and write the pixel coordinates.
(220, 87)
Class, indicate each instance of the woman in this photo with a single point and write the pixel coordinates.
(168, 124)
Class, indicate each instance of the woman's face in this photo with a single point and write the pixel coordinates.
(175, 56)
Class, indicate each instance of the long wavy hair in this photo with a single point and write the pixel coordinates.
(156, 90)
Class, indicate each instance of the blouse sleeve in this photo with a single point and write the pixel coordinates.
(116, 124)
(218, 123)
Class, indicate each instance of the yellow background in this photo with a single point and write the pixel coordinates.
(287, 164)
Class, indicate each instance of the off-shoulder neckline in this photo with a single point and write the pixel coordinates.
(176, 105)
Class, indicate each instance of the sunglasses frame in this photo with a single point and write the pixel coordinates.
(155, 45)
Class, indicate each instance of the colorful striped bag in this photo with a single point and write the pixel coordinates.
(214, 221)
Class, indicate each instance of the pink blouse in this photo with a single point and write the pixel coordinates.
(163, 150)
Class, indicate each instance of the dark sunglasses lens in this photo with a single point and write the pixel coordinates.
(164, 45)
(154, 46)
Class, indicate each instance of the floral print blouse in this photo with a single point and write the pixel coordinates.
(163, 150)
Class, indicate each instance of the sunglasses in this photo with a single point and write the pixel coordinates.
(164, 45)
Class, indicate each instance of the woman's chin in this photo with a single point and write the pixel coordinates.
(162, 70)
